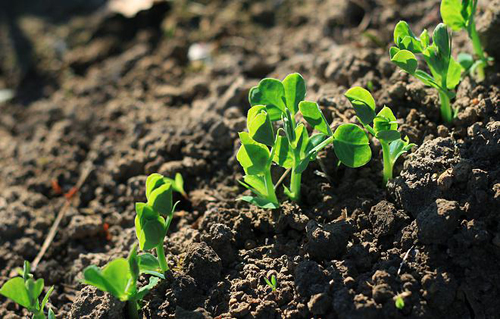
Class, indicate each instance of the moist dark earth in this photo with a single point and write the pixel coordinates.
(122, 96)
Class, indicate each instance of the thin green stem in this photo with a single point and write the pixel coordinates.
(160, 251)
(271, 194)
(133, 309)
(478, 50)
(295, 186)
(386, 154)
(446, 111)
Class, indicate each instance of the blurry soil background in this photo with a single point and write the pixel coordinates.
(122, 92)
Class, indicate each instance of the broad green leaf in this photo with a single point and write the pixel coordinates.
(271, 93)
(259, 125)
(313, 115)
(454, 74)
(92, 276)
(388, 136)
(153, 181)
(385, 120)
(314, 141)
(441, 38)
(451, 13)
(161, 199)
(399, 147)
(393, 51)
(255, 183)
(351, 145)
(37, 288)
(117, 274)
(465, 60)
(411, 44)
(402, 30)
(151, 232)
(301, 141)
(363, 103)
(143, 291)
(424, 39)
(426, 78)
(253, 156)
(259, 202)
(144, 211)
(283, 155)
(406, 61)
(178, 185)
(148, 262)
(273, 280)
(295, 91)
(51, 314)
(15, 290)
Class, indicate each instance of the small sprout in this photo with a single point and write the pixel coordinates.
(383, 126)
(154, 217)
(399, 302)
(177, 184)
(273, 283)
(459, 15)
(445, 71)
(119, 278)
(291, 145)
(25, 291)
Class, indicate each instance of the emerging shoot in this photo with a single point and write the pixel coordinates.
(273, 283)
(383, 126)
(25, 291)
(445, 70)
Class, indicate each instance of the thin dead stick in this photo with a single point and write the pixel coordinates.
(55, 226)
(404, 259)
(282, 178)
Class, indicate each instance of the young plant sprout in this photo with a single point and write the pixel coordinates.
(177, 184)
(383, 126)
(273, 283)
(459, 15)
(399, 302)
(445, 70)
(291, 146)
(25, 291)
(154, 217)
(119, 278)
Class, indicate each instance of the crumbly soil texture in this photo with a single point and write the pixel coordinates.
(107, 95)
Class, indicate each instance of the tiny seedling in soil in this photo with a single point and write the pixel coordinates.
(25, 291)
(177, 184)
(119, 278)
(154, 217)
(445, 70)
(399, 302)
(273, 283)
(459, 15)
(291, 145)
(383, 126)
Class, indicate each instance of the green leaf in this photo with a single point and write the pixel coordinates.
(363, 103)
(271, 93)
(283, 155)
(314, 141)
(161, 199)
(51, 314)
(143, 291)
(424, 39)
(46, 298)
(295, 91)
(451, 13)
(273, 280)
(454, 74)
(151, 232)
(406, 60)
(179, 184)
(393, 51)
(259, 202)
(399, 147)
(37, 288)
(351, 145)
(113, 278)
(15, 290)
(133, 263)
(259, 125)
(148, 262)
(253, 156)
(255, 183)
(441, 38)
(465, 60)
(405, 39)
(385, 120)
(388, 136)
(301, 141)
(313, 115)
(426, 78)
(153, 181)
(399, 303)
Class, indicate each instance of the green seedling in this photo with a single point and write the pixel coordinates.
(154, 217)
(177, 184)
(399, 302)
(445, 70)
(459, 15)
(119, 278)
(273, 283)
(25, 291)
(382, 125)
(291, 146)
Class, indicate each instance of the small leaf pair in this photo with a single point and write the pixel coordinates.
(25, 291)
(445, 70)
(291, 145)
(119, 278)
(272, 283)
(154, 217)
(459, 15)
(382, 125)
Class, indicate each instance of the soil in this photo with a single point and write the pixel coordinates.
(126, 96)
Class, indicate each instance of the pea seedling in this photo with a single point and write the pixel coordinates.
(399, 302)
(177, 184)
(273, 283)
(154, 217)
(291, 146)
(119, 278)
(383, 126)
(459, 15)
(25, 291)
(445, 70)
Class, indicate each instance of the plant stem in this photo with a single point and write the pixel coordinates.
(271, 194)
(133, 309)
(478, 50)
(295, 186)
(446, 111)
(386, 154)
(160, 251)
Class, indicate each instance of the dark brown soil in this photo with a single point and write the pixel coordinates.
(120, 95)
